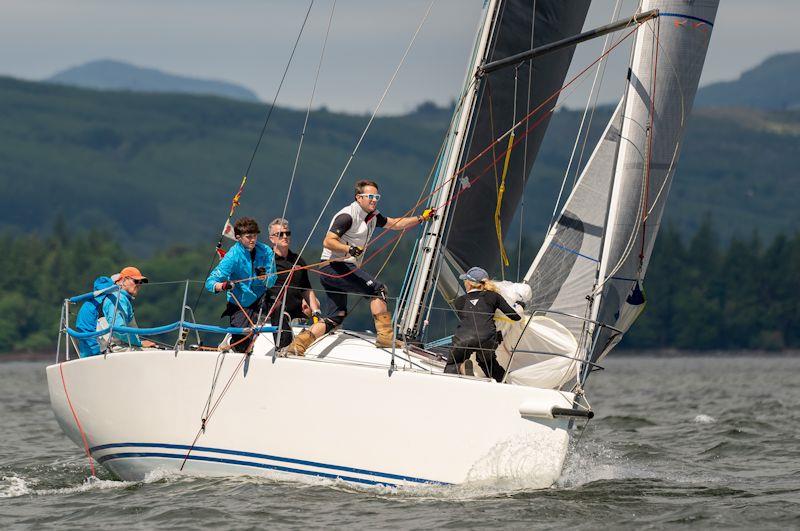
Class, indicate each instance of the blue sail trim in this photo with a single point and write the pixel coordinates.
(573, 251)
(690, 17)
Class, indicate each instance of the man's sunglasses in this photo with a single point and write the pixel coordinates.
(281, 234)
(136, 281)
(371, 197)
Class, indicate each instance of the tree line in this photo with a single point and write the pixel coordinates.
(703, 293)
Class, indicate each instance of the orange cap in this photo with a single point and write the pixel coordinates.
(132, 272)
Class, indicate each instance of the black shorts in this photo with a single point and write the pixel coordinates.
(260, 308)
(347, 278)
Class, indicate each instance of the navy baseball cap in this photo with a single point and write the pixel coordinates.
(475, 274)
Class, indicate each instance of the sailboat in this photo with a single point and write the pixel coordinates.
(367, 415)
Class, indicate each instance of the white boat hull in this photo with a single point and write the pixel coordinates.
(330, 415)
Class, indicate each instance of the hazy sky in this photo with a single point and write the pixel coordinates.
(248, 42)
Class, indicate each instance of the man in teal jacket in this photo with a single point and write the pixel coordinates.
(246, 273)
(118, 307)
(90, 312)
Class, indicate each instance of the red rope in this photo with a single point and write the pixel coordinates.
(472, 161)
(77, 422)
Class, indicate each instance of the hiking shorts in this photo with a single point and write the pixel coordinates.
(346, 278)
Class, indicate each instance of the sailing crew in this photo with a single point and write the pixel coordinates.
(111, 309)
(89, 313)
(344, 244)
(476, 331)
(245, 274)
(301, 302)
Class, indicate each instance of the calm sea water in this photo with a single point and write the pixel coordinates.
(705, 442)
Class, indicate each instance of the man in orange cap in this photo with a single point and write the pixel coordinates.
(118, 306)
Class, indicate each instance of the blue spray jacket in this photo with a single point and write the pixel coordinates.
(237, 264)
(86, 321)
(121, 315)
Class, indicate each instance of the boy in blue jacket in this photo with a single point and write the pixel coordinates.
(254, 261)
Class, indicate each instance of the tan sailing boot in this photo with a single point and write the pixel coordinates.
(383, 328)
(300, 343)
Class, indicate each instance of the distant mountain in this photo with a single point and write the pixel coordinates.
(115, 75)
(773, 85)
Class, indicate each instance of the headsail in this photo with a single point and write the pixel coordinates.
(564, 272)
(665, 71)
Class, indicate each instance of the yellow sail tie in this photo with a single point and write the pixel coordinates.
(497, 225)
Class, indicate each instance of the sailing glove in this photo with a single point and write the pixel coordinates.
(427, 214)
(355, 252)
(316, 317)
(261, 271)
(226, 285)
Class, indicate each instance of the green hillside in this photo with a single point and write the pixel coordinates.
(158, 169)
(772, 85)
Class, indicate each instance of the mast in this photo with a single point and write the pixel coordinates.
(429, 246)
(475, 210)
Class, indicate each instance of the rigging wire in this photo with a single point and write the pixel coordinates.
(600, 67)
(525, 149)
(236, 197)
(642, 207)
(601, 70)
(308, 110)
(297, 155)
(475, 159)
(367, 127)
(591, 102)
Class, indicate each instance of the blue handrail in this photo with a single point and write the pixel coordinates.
(169, 328)
(93, 294)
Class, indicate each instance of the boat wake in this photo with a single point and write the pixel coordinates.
(15, 485)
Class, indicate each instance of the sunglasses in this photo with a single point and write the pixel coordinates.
(136, 281)
(282, 234)
(371, 197)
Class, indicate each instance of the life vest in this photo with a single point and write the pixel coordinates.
(358, 234)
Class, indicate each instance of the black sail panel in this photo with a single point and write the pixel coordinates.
(472, 239)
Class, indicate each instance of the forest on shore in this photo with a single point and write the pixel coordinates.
(703, 293)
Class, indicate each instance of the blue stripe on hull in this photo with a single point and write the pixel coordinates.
(224, 451)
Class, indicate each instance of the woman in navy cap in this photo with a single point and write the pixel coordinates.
(476, 331)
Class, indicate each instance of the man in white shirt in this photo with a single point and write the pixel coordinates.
(348, 236)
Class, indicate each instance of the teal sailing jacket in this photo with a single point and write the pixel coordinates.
(237, 264)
